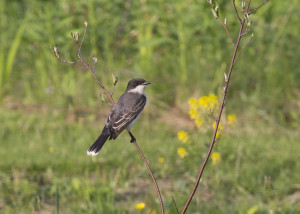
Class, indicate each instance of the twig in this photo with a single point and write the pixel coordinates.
(258, 7)
(84, 34)
(211, 113)
(87, 67)
(112, 93)
(153, 178)
(225, 27)
(237, 14)
(233, 60)
(95, 61)
(217, 124)
(243, 48)
(68, 63)
(92, 71)
(175, 205)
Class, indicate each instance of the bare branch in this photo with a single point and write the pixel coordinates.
(84, 34)
(258, 7)
(106, 93)
(95, 61)
(237, 14)
(222, 105)
(175, 205)
(241, 51)
(211, 114)
(87, 66)
(153, 178)
(66, 62)
(113, 91)
(217, 121)
(225, 27)
(248, 7)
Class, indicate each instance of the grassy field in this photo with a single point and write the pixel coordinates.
(51, 113)
(45, 151)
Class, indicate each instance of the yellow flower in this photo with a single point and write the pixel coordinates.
(220, 128)
(208, 102)
(199, 121)
(140, 206)
(161, 160)
(51, 149)
(203, 102)
(193, 113)
(193, 103)
(231, 119)
(215, 157)
(182, 152)
(183, 136)
(213, 101)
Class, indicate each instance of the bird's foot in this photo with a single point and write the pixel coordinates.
(132, 137)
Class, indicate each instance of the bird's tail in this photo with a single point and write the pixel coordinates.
(96, 147)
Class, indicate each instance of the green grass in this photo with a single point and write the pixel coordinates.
(51, 113)
(171, 42)
(47, 150)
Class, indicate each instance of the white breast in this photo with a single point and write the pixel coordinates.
(133, 122)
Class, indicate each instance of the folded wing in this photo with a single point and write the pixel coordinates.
(120, 119)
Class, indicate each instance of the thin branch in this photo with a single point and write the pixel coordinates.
(175, 205)
(113, 91)
(92, 71)
(87, 67)
(248, 7)
(66, 62)
(84, 34)
(217, 122)
(262, 4)
(243, 48)
(222, 105)
(225, 27)
(246, 17)
(153, 178)
(95, 62)
(237, 14)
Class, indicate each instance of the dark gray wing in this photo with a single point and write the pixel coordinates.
(127, 108)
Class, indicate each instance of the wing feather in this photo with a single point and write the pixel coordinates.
(126, 116)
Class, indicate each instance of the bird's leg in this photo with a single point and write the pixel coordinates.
(132, 138)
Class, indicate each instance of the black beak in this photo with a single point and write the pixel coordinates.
(146, 83)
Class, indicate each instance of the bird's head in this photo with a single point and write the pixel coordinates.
(137, 85)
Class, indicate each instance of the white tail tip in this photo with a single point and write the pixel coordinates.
(91, 153)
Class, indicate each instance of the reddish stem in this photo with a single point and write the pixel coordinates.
(92, 71)
(153, 178)
(233, 60)
(217, 123)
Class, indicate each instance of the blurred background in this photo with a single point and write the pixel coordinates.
(50, 113)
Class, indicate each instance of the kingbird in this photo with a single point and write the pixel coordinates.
(123, 115)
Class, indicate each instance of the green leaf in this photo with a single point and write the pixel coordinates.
(12, 52)
(215, 13)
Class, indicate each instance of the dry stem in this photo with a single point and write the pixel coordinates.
(92, 71)
(233, 60)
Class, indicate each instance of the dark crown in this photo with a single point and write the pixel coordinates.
(136, 82)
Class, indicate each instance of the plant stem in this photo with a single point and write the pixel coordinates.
(92, 71)
(217, 123)
(233, 60)
(153, 178)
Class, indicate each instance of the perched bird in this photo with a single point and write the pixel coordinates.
(123, 115)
